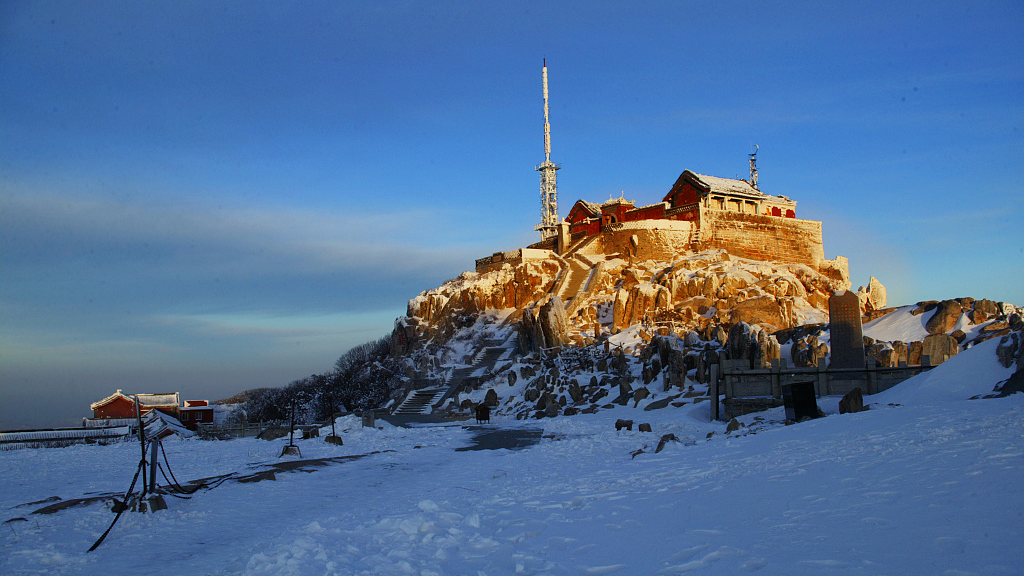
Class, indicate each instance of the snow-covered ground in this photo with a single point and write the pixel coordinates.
(928, 485)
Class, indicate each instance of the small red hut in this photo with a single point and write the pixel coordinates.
(195, 412)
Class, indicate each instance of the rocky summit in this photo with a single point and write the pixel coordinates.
(579, 333)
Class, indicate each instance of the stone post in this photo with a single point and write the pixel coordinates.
(563, 240)
(713, 391)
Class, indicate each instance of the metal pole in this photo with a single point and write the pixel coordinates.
(142, 440)
(291, 432)
(153, 446)
(331, 398)
(714, 392)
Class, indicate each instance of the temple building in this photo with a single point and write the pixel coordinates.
(691, 196)
(697, 213)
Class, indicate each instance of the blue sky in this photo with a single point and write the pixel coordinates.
(207, 197)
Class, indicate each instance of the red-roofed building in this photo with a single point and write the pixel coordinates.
(120, 405)
(195, 412)
(698, 213)
(691, 195)
(693, 192)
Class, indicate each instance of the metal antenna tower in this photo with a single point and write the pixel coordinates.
(753, 168)
(548, 190)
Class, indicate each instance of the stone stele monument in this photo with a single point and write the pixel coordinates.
(847, 337)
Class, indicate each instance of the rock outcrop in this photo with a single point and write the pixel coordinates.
(552, 323)
(753, 344)
(944, 318)
(695, 292)
(873, 297)
(939, 348)
(1011, 350)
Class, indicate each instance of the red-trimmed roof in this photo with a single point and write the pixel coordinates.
(591, 208)
(162, 400)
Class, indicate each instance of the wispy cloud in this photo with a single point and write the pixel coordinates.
(101, 280)
(281, 328)
(234, 240)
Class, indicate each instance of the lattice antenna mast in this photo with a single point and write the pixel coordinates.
(547, 124)
(753, 168)
(548, 190)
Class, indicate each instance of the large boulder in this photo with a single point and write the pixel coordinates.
(944, 318)
(625, 389)
(873, 297)
(1016, 322)
(901, 352)
(575, 392)
(639, 394)
(984, 310)
(770, 349)
(530, 336)
(491, 398)
(939, 348)
(665, 348)
(763, 310)
(884, 354)
(806, 351)
(403, 336)
(752, 343)
(619, 319)
(741, 341)
(1010, 350)
(641, 301)
(914, 353)
(553, 322)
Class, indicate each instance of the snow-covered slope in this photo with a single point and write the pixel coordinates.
(901, 324)
(927, 487)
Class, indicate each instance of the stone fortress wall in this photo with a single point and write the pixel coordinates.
(751, 236)
(765, 238)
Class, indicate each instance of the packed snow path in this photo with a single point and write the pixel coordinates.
(908, 490)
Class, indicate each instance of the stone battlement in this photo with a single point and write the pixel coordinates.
(513, 257)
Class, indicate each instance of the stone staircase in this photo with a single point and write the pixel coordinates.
(482, 363)
(424, 400)
(578, 275)
(419, 401)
